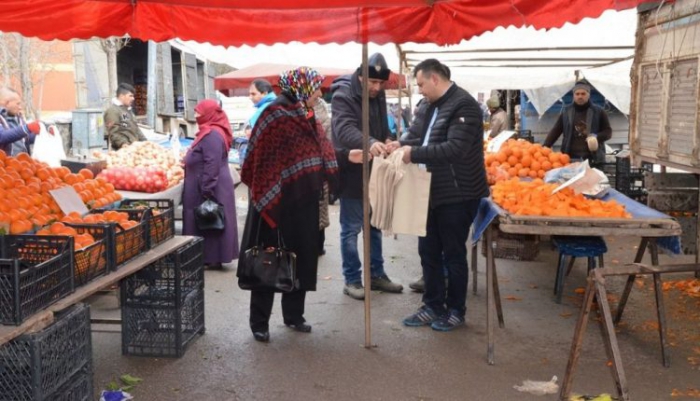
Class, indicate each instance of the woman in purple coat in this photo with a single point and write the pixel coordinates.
(207, 176)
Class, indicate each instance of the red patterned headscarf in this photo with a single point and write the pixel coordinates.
(301, 82)
(288, 158)
(211, 116)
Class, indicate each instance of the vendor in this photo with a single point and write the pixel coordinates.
(15, 134)
(498, 121)
(120, 122)
(585, 127)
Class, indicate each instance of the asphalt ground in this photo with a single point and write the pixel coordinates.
(332, 363)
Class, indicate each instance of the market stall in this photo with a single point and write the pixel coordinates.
(654, 228)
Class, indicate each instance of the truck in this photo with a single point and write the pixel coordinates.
(664, 113)
(181, 77)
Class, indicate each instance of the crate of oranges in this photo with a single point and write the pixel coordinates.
(161, 219)
(89, 251)
(520, 158)
(126, 233)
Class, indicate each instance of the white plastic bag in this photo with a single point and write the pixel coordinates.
(49, 148)
(538, 388)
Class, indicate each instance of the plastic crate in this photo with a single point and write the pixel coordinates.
(630, 180)
(77, 388)
(93, 261)
(161, 330)
(122, 245)
(34, 366)
(514, 246)
(162, 217)
(35, 271)
(167, 281)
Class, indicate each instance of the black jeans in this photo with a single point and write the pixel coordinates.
(444, 244)
(261, 308)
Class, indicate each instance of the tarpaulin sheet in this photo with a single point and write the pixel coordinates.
(236, 23)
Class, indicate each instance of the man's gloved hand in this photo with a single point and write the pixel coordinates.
(592, 141)
(51, 129)
(34, 127)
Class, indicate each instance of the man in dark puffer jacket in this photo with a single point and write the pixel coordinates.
(450, 146)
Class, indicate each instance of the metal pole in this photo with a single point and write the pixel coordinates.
(151, 85)
(365, 192)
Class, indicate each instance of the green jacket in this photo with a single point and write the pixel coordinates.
(121, 126)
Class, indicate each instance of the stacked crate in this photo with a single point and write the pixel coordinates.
(163, 304)
(54, 364)
(630, 180)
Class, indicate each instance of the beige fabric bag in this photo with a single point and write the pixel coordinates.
(411, 201)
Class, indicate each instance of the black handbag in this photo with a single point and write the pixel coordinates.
(268, 268)
(209, 216)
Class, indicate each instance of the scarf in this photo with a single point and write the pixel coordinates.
(212, 117)
(260, 106)
(287, 160)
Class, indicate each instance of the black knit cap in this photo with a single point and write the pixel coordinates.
(378, 69)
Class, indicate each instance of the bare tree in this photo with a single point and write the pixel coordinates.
(111, 47)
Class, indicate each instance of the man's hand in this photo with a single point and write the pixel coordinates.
(51, 129)
(355, 156)
(392, 146)
(406, 154)
(592, 141)
(377, 149)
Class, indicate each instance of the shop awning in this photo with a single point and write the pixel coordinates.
(241, 22)
(237, 83)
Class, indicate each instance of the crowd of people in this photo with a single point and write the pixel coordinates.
(298, 155)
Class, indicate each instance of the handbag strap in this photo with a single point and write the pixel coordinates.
(280, 240)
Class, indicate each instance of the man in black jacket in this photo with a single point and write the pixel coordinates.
(346, 123)
(450, 147)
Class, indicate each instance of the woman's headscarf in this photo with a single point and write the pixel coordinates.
(211, 116)
(301, 82)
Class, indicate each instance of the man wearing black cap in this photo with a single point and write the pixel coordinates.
(585, 127)
(346, 123)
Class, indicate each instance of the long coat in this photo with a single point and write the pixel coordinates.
(207, 175)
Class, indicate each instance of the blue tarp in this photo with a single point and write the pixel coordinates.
(489, 210)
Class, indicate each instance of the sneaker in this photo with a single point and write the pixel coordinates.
(354, 290)
(418, 285)
(453, 320)
(423, 317)
(383, 283)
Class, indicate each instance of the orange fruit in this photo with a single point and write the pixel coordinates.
(87, 174)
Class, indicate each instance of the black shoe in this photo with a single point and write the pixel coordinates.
(262, 336)
(301, 327)
(214, 266)
(321, 252)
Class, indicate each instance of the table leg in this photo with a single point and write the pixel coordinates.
(611, 338)
(630, 280)
(497, 297)
(660, 310)
(577, 341)
(489, 295)
(474, 269)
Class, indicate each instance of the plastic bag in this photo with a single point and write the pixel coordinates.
(538, 388)
(49, 148)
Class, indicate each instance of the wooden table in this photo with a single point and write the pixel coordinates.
(649, 229)
(44, 318)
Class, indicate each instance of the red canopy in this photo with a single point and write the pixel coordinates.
(235, 23)
(237, 83)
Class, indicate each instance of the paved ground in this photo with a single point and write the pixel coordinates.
(408, 363)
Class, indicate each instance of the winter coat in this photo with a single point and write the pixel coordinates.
(14, 135)
(121, 126)
(454, 153)
(346, 123)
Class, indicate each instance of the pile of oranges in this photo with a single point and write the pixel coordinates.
(535, 198)
(80, 241)
(519, 158)
(25, 201)
(84, 240)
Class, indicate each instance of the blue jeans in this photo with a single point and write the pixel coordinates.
(444, 247)
(350, 228)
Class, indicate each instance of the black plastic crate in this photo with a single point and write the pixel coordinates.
(34, 366)
(162, 217)
(123, 245)
(630, 180)
(161, 330)
(77, 388)
(35, 271)
(94, 262)
(525, 134)
(167, 281)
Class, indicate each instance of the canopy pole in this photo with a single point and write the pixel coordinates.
(365, 191)
(399, 130)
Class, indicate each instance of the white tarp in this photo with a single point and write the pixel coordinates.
(543, 85)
